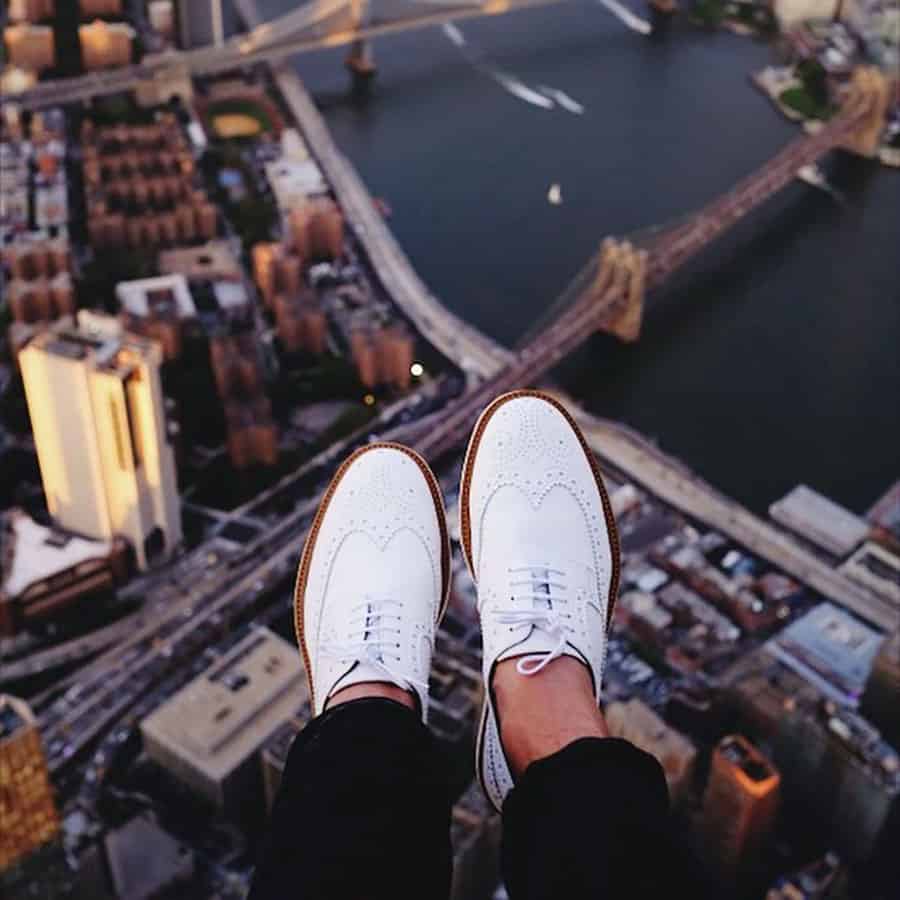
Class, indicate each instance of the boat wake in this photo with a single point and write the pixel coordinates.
(627, 17)
(543, 97)
(566, 102)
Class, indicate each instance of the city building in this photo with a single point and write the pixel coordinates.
(820, 520)
(840, 778)
(884, 517)
(91, 8)
(161, 14)
(383, 355)
(160, 85)
(157, 308)
(294, 181)
(646, 618)
(301, 323)
(30, 47)
(105, 45)
(740, 805)
(40, 287)
(97, 414)
(252, 435)
(145, 862)
(31, 10)
(28, 815)
(878, 569)
(213, 261)
(831, 649)
(316, 229)
(636, 722)
(43, 570)
(209, 734)
(141, 186)
(881, 699)
(201, 23)
(813, 882)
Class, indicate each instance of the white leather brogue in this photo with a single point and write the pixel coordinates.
(374, 576)
(539, 538)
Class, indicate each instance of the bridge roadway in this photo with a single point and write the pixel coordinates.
(668, 479)
(475, 353)
(300, 31)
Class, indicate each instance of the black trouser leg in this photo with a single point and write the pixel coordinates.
(592, 821)
(362, 813)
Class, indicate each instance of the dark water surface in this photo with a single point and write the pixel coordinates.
(774, 360)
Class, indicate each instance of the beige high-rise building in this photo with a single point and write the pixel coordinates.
(96, 408)
(28, 815)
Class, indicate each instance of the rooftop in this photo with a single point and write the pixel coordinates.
(223, 716)
(33, 552)
(96, 339)
(831, 649)
(820, 520)
(165, 295)
(14, 715)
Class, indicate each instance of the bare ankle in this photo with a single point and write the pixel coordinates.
(543, 713)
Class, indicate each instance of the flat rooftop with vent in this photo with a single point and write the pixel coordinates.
(209, 734)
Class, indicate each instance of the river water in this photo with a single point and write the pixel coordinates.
(774, 360)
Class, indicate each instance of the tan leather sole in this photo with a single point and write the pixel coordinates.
(309, 546)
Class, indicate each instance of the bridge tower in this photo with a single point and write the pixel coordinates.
(618, 289)
(359, 61)
(871, 93)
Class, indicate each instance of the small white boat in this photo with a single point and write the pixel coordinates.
(554, 195)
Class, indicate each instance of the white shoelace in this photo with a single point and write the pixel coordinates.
(547, 587)
(373, 639)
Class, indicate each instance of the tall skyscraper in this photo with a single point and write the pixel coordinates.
(740, 804)
(27, 811)
(96, 408)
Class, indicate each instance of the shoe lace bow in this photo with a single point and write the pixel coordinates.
(539, 597)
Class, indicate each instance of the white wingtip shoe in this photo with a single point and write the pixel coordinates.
(539, 537)
(374, 576)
